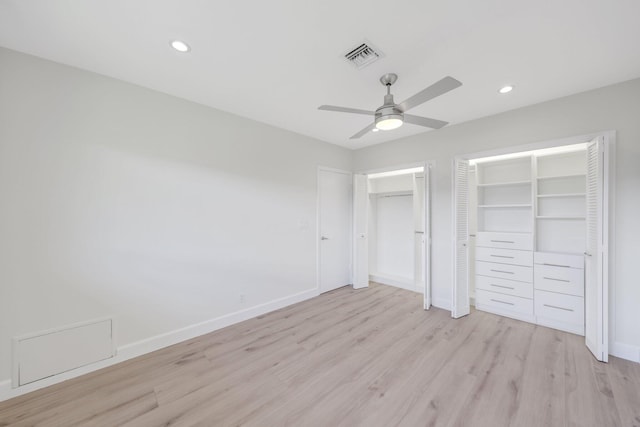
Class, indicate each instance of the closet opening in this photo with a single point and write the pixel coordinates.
(392, 229)
(531, 236)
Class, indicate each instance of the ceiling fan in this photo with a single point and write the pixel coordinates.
(391, 115)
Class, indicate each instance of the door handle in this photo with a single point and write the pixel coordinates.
(324, 238)
(587, 254)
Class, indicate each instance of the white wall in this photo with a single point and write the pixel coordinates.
(611, 108)
(394, 246)
(390, 184)
(118, 200)
(391, 230)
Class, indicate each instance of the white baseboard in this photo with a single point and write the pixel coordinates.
(625, 351)
(398, 282)
(442, 303)
(157, 342)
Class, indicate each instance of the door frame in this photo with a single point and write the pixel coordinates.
(318, 230)
(608, 226)
(427, 166)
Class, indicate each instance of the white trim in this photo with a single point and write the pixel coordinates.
(530, 318)
(606, 153)
(625, 351)
(396, 172)
(398, 282)
(397, 167)
(442, 303)
(157, 342)
(611, 147)
(608, 136)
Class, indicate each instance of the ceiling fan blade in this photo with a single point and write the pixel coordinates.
(345, 110)
(424, 121)
(440, 87)
(363, 131)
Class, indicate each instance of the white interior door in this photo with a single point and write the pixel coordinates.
(334, 226)
(596, 259)
(460, 295)
(360, 231)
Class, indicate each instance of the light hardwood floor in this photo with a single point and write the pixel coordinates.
(370, 357)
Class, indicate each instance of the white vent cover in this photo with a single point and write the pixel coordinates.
(363, 55)
(47, 353)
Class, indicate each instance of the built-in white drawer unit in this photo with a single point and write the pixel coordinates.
(564, 280)
(503, 286)
(564, 312)
(559, 291)
(508, 305)
(505, 256)
(522, 241)
(504, 271)
(559, 260)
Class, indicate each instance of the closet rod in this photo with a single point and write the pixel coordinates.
(398, 195)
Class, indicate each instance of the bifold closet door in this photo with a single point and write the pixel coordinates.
(460, 296)
(596, 282)
(360, 229)
(422, 199)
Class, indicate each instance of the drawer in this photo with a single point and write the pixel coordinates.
(563, 280)
(503, 286)
(500, 302)
(522, 241)
(566, 309)
(505, 256)
(559, 260)
(505, 271)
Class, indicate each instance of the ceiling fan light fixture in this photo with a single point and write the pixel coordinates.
(389, 122)
(180, 46)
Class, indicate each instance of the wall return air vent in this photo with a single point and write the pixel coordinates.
(364, 54)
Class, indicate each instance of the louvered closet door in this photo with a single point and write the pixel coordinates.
(596, 288)
(461, 238)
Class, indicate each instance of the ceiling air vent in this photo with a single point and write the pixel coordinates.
(363, 55)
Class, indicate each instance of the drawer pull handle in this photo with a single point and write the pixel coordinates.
(502, 271)
(501, 302)
(500, 286)
(557, 280)
(556, 307)
(502, 241)
(503, 256)
(556, 265)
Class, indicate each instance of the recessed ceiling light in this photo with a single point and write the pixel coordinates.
(180, 46)
(375, 130)
(506, 89)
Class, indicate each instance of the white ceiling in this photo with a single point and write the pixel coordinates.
(277, 61)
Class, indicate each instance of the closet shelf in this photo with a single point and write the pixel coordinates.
(506, 206)
(504, 184)
(560, 217)
(563, 195)
(575, 175)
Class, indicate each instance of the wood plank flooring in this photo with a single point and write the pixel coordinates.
(369, 357)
